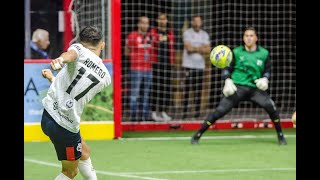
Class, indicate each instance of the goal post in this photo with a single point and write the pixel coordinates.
(105, 14)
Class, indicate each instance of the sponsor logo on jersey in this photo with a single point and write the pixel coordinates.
(65, 117)
(69, 103)
(55, 105)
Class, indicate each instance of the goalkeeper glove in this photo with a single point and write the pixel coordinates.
(262, 83)
(229, 87)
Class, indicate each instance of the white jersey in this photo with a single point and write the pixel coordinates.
(74, 86)
(197, 39)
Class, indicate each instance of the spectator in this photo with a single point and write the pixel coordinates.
(196, 46)
(40, 42)
(161, 70)
(139, 50)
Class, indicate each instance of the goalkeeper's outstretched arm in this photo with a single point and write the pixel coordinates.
(226, 73)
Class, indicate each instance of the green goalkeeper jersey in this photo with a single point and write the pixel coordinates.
(249, 66)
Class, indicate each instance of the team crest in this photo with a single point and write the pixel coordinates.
(259, 62)
(69, 103)
(79, 147)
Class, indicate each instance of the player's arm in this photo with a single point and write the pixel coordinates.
(46, 73)
(126, 51)
(66, 57)
(187, 43)
(226, 72)
(205, 49)
(128, 44)
(267, 68)
(191, 49)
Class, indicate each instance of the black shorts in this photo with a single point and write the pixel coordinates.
(67, 144)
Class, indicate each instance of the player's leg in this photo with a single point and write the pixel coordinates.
(154, 97)
(225, 106)
(69, 170)
(147, 79)
(188, 80)
(198, 79)
(263, 99)
(85, 165)
(65, 143)
(161, 90)
(136, 79)
(167, 92)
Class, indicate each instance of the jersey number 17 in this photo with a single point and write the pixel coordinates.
(94, 80)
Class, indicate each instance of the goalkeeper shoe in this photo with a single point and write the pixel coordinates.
(195, 139)
(282, 140)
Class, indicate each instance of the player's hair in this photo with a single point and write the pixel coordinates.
(141, 17)
(250, 28)
(39, 34)
(163, 14)
(91, 35)
(195, 16)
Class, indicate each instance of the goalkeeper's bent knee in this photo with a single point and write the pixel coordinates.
(212, 117)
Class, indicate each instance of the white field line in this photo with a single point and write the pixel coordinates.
(133, 174)
(211, 171)
(205, 137)
(98, 172)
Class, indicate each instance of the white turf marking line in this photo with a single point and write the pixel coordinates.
(97, 171)
(132, 174)
(206, 137)
(213, 171)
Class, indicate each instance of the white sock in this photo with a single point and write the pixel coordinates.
(86, 169)
(61, 176)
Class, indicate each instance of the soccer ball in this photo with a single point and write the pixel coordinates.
(221, 56)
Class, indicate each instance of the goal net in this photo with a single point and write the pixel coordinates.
(91, 13)
(186, 94)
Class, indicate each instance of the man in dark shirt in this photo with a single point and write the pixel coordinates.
(163, 40)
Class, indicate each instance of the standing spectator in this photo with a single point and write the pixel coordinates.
(196, 46)
(40, 42)
(139, 50)
(161, 70)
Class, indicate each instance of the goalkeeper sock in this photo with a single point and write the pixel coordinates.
(206, 124)
(86, 169)
(277, 125)
(62, 176)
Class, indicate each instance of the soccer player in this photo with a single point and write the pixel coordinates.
(81, 77)
(246, 79)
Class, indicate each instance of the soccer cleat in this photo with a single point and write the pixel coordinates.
(282, 140)
(195, 139)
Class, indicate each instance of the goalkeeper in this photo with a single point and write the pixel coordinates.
(246, 79)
